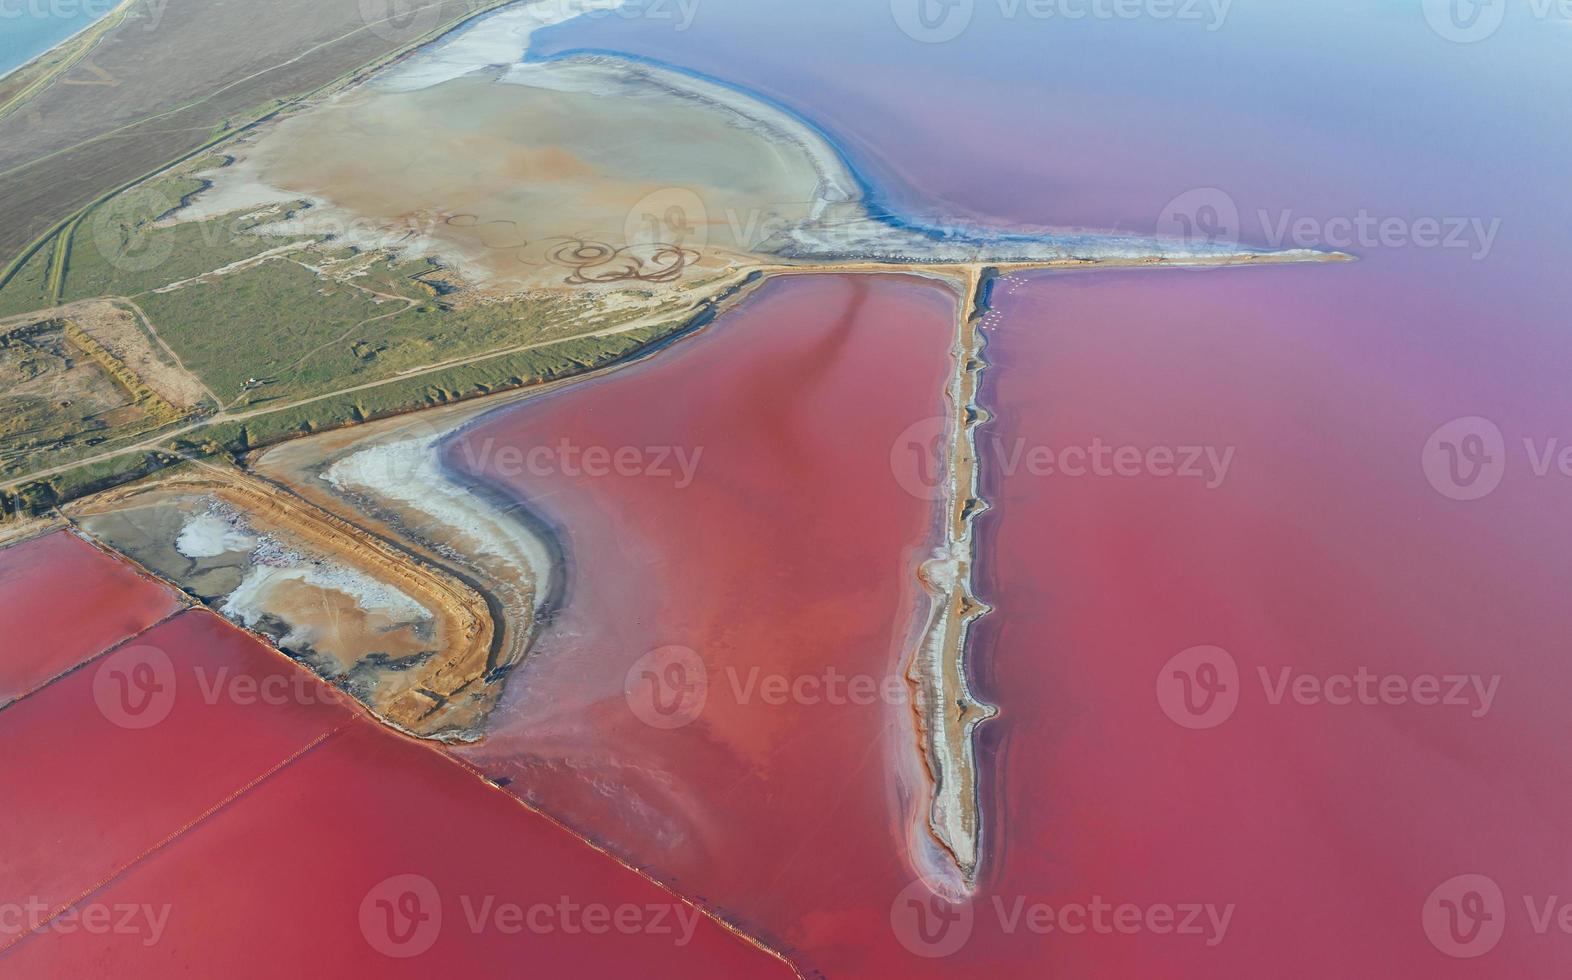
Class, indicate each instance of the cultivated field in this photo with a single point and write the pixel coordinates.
(169, 78)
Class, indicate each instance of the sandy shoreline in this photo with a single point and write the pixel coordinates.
(101, 21)
(815, 209)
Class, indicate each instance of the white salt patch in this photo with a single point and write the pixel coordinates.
(249, 602)
(409, 474)
(502, 38)
(209, 535)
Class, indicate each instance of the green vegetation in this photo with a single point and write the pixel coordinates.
(565, 358)
(279, 327)
(119, 250)
(309, 333)
(28, 290)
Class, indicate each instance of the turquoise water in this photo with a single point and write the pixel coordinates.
(28, 28)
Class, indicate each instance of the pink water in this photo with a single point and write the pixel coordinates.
(1336, 540)
(790, 558)
(1324, 550)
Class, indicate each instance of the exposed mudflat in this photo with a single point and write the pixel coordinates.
(406, 640)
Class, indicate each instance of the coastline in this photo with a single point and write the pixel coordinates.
(6, 73)
(948, 712)
(844, 221)
(105, 22)
(301, 465)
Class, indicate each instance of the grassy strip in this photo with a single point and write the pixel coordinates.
(27, 292)
(235, 437)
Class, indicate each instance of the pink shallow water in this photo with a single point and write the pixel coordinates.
(791, 555)
(1328, 834)
(62, 601)
(235, 816)
(1324, 550)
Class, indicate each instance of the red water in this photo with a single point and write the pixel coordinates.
(1327, 835)
(103, 766)
(194, 803)
(1324, 550)
(63, 601)
(792, 553)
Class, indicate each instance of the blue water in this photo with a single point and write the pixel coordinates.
(28, 28)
